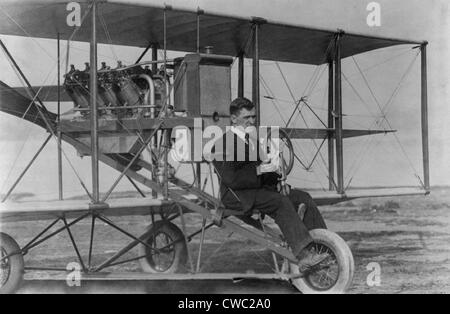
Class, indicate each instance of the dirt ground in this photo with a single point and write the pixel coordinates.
(408, 237)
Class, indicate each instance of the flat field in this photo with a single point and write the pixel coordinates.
(408, 237)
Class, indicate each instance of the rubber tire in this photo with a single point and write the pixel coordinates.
(290, 163)
(180, 257)
(16, 262)
(345, 261)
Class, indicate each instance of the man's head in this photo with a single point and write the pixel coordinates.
(243, 113)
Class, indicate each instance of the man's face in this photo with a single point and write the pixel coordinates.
(245, 119)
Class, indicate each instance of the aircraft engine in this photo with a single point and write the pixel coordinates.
(76, 86)
(129, 93)
(118, 89)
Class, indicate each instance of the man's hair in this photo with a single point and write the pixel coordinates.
(238, 104)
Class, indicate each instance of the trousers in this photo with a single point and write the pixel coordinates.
(283, 209)
(312, 219)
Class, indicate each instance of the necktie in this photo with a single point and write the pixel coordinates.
(249, 142)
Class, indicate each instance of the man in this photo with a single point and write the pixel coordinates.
(249, 185)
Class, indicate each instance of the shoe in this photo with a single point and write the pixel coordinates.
(310, 258)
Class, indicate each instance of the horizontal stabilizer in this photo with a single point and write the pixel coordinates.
(298, 133)
(332, 197)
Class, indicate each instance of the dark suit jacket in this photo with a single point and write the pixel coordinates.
(239, 179)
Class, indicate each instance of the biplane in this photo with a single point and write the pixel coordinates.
(120, 113)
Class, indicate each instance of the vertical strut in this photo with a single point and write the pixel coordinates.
(199, 12)
(198, 170)
(338, 117)
(152, 115)
(241, 75)
(331, 186)
(154, 58)
(424, 114)
(165, 132)
(60, 183)
(256, 91)
(200, 249)
(94, 111)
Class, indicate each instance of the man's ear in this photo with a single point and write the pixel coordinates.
(233, 118)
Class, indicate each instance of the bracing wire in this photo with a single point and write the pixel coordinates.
(35, 97)
(305, 167)
(358, 94)
(306, 123)
(396, 90)
(26, 111)
(108, 35)
(316, 79)
(310, 87)
(383, 110)
(365, 70)
(26, 33)
(73, 35)
(369, 87)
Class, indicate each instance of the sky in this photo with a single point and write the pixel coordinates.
(375, 161)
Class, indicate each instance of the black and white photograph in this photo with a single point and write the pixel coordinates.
(224, 152)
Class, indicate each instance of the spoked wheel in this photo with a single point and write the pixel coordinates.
(288, 151)
(11, 267)
(335, 274)
(167, 251)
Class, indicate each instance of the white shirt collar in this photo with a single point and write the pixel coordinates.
(239, 132)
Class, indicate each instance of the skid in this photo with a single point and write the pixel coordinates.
(137, 276)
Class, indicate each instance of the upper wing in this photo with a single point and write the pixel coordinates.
(140, 22)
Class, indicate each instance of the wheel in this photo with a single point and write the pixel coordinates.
(169, 253)
(288, 151)
(286, 148)
(335, 274)
(11, 268)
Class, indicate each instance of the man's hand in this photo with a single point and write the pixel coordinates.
(272, 166)
(284, 189)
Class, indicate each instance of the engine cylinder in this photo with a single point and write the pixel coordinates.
(129, 94)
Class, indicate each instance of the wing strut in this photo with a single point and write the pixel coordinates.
(241, 75)
(331, 184)
(94, 111)
(338, 116)
(58, 117)
(255, 90)
(424, 114)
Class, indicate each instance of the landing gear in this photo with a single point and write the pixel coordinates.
(11, 266)
(168, 251)
(335, 274)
